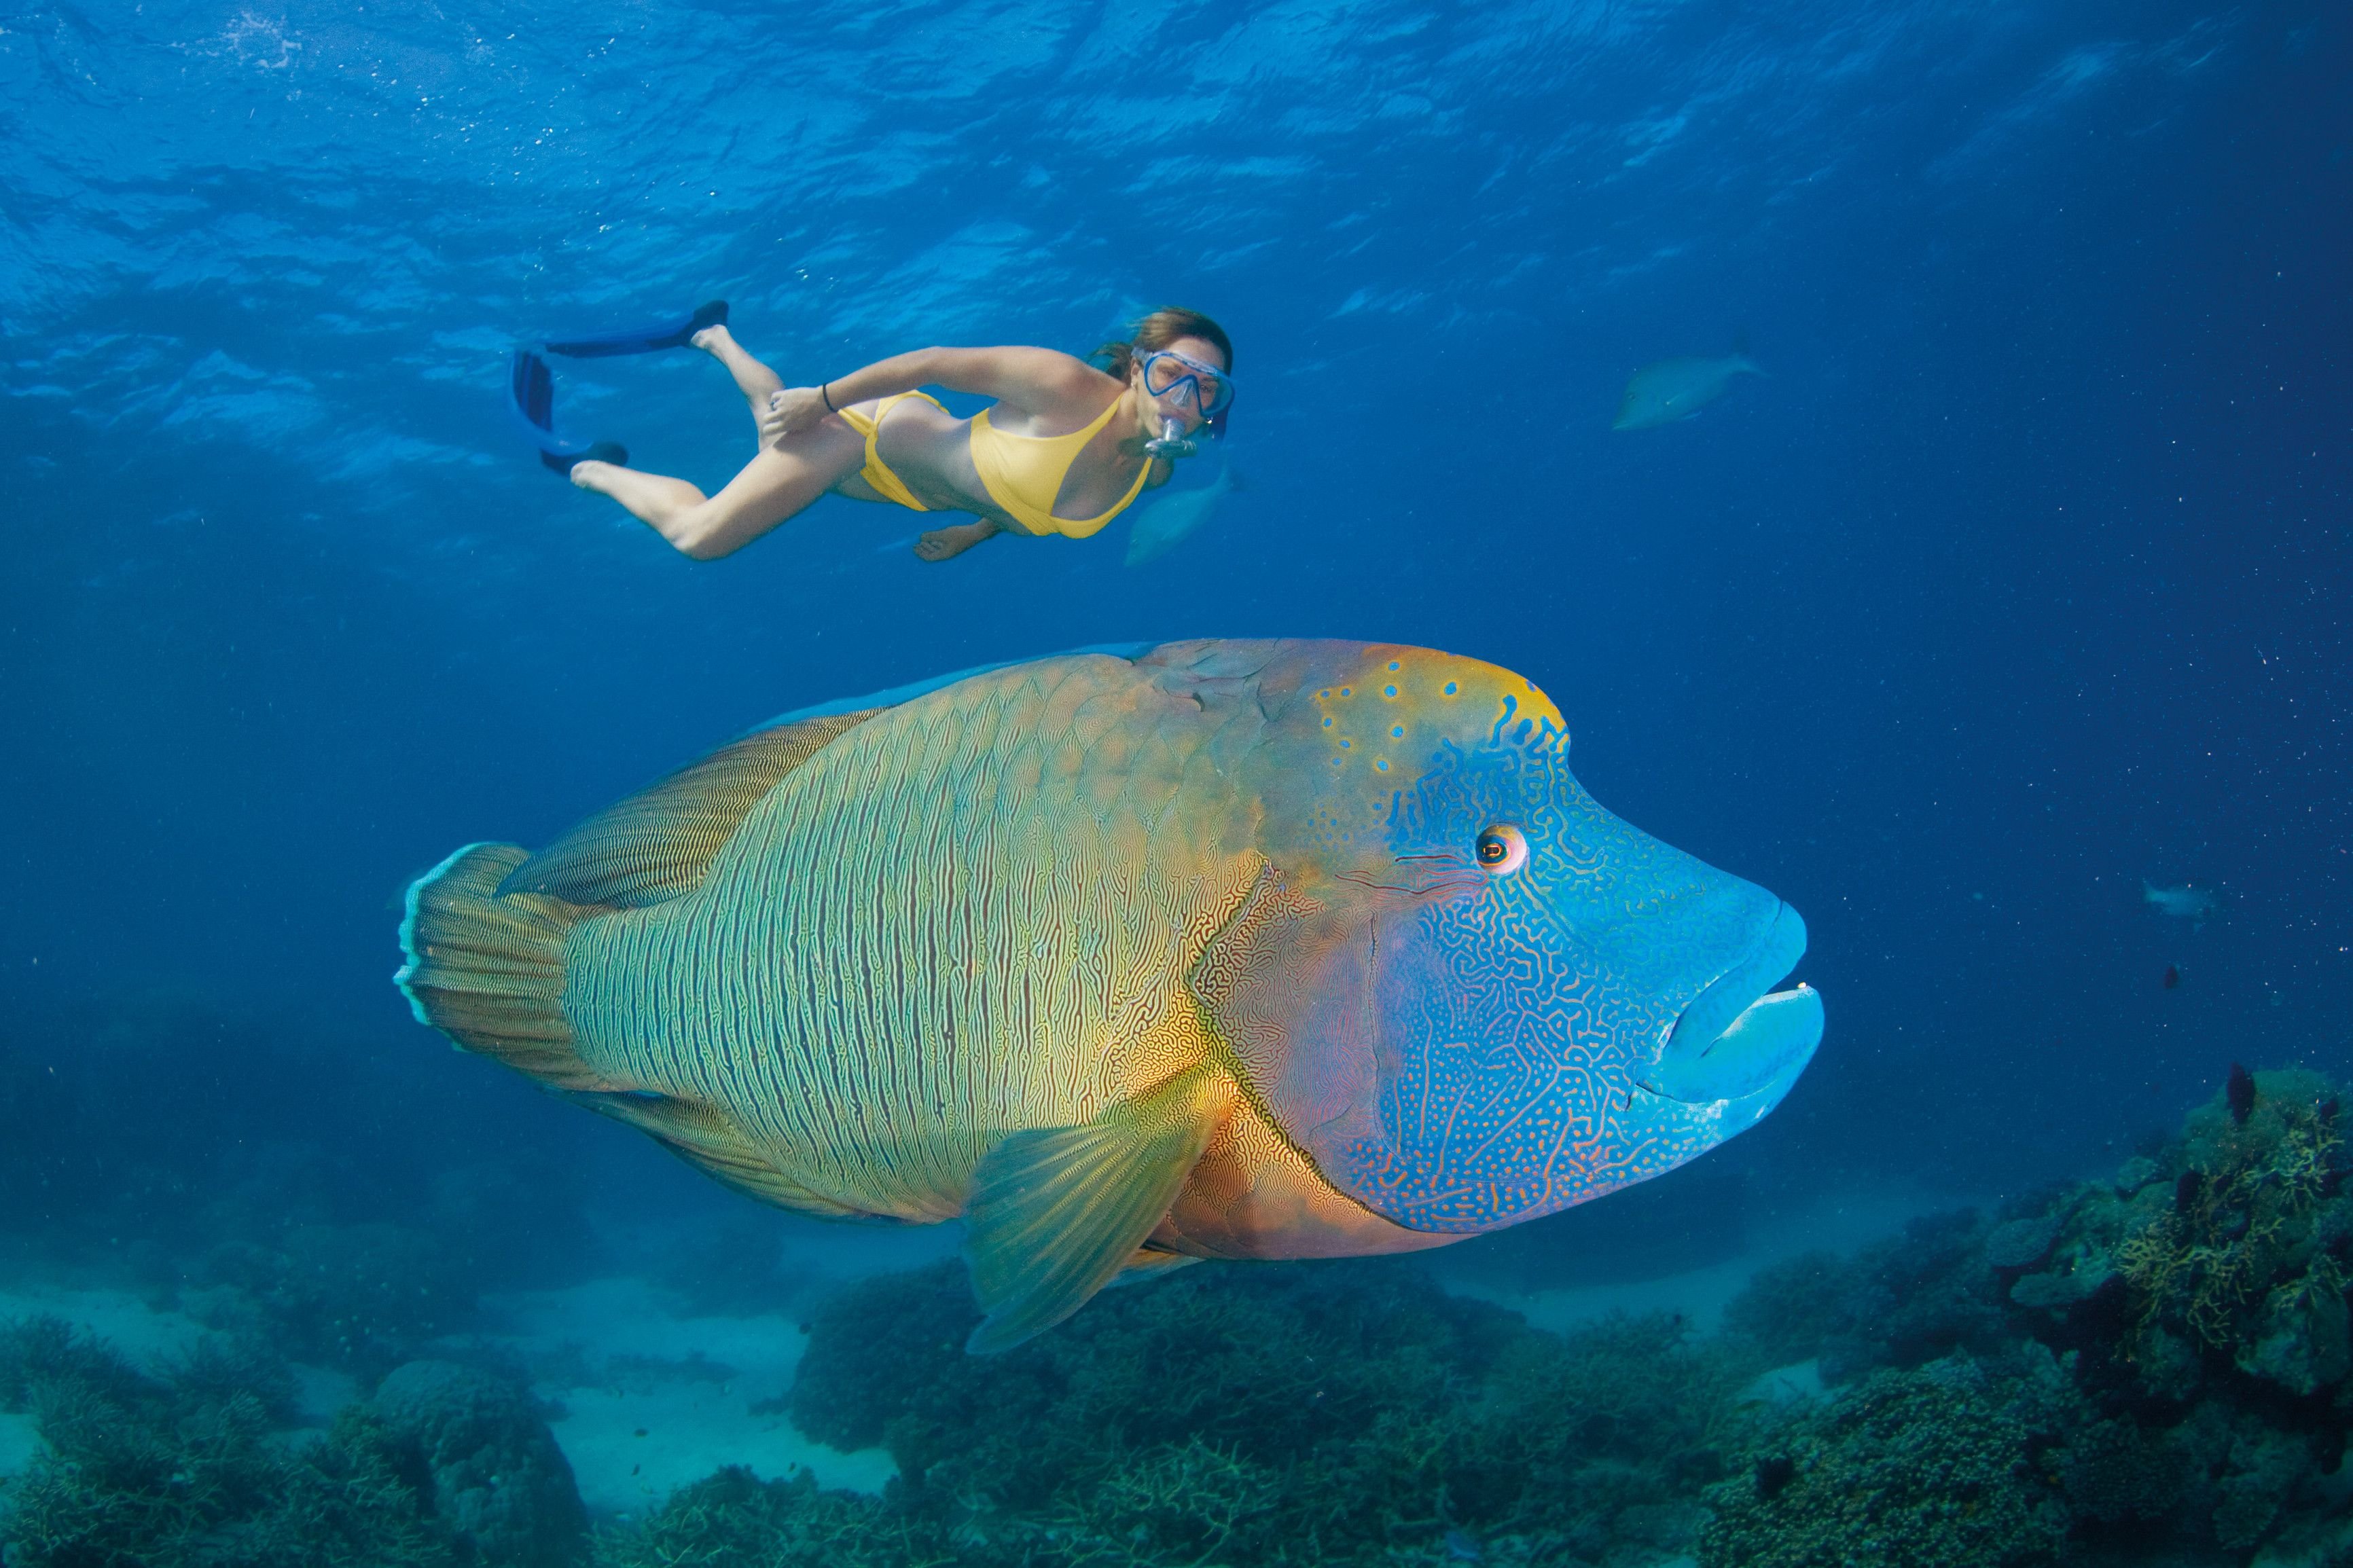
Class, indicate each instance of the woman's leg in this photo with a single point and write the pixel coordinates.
(753, 379)
(778, 481)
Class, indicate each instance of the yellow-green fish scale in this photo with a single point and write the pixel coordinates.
(971, 915)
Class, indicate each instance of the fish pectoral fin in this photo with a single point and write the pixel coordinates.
(656, 844)
(1056, 1212)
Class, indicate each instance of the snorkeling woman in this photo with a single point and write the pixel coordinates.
(1066, 447)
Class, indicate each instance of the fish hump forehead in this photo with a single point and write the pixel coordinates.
(1301, 717)
(1285, 671)
(1380, 714)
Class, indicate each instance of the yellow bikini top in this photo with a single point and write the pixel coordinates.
(1023, 474)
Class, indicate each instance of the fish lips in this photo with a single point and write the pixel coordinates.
(1738, 1036)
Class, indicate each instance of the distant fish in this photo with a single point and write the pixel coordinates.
(2183, 903)
(1676, 389)
(2238, 1093)
(2173, 977)
(1166, 522)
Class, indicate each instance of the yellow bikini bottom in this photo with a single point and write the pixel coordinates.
(877, 472)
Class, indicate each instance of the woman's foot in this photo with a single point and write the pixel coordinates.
(943, 542)
(649, 497)
(591, 475)
(755, 381)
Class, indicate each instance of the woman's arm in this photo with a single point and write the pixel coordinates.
(1032, 381)
(1028, 381)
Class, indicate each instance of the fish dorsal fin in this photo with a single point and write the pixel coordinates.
(658, 844)
(1058, 1212)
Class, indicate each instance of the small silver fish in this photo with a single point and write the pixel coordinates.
(2183, 903)
(1676, 389)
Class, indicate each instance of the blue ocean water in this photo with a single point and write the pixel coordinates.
(2020, 577)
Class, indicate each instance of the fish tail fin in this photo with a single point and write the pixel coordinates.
(488, 969)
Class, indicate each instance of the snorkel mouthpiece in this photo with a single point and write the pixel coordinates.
(1172, 441)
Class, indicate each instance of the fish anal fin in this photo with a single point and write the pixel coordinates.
(1057, 1213)
(710, 1142)
(656, 844)
(1149, 1263)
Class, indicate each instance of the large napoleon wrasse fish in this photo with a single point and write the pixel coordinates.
(1250, 950)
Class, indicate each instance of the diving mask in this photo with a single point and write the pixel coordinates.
(1167, 374)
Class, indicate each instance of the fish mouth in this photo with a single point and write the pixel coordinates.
(1738, 1035)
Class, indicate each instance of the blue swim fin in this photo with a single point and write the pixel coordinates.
(533, 404)
(533, 387)
(643, 340)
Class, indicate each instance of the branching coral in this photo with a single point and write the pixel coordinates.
(1339, 1414)
(2053, 1380)
(186, 1474)
(2234, 1251)
(1925, 1467)
(732, 1518)
(1193, 1503)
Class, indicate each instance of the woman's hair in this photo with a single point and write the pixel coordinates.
(1157, 331)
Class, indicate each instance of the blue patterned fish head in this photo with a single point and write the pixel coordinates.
(1465, 991)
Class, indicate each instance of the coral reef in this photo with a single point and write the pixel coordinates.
(2152, 1367)
(2246, 1259)
(1928, 1467)
(2191, 1309)
(194, 1467)
(2156, 1366)
(734, 1518)
(185, 1471)
(1347, 1412)
(488, 1464)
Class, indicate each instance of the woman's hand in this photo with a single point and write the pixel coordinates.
(790, 411)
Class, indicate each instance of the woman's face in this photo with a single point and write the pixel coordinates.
(1180, 402)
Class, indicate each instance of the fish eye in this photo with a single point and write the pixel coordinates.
(1501, 850)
